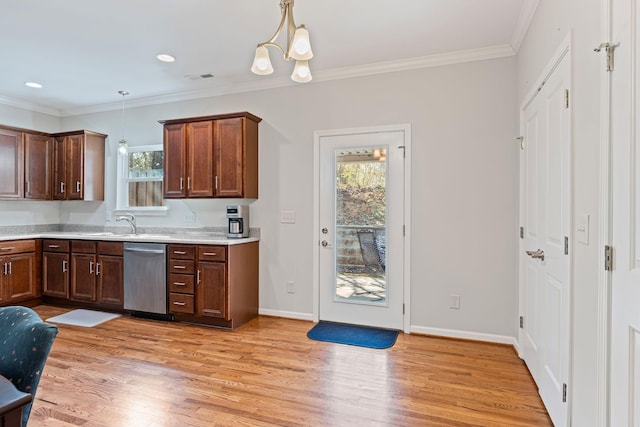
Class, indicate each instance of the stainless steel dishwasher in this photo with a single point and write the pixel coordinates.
(145, 279)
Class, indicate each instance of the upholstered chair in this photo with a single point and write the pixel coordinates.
(25, 342)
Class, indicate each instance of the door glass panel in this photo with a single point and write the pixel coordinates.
(360, 224)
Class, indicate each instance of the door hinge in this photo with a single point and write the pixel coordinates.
(564, 393)
(608, 48)
(521, 322)
(404, 227)
(522, 232)
(566, 245)
(608, 258)
(402, 308)
(521, 140)
(566, 98)
(404, 150)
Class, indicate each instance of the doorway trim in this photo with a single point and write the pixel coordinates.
(406, 263)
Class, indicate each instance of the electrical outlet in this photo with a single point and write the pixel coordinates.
(190, 217)
(288, 217)
(454, 301)
(291, 287)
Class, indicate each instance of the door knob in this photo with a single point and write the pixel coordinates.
(537, 254)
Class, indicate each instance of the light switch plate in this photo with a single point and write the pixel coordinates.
(288, 217)
(582, 229)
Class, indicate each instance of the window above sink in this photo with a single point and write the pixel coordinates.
(140, 180)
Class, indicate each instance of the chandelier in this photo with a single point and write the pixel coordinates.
(298, 47)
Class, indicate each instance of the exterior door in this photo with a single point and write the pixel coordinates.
(545, 217)
(625, 197)
(361, 218)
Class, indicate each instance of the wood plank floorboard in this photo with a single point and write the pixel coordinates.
(131, 372)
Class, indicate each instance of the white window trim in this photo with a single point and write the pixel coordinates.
(122, 188)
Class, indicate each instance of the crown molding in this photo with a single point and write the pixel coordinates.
(527, 12)
(437, 60)
(13, 102)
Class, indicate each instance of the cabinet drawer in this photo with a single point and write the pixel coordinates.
(110, 248)
(83, 246)
(182, 251)
(212, 253)
(17, 246)
(181, 267)
(52, 245)
(181, 283)
(181, 303)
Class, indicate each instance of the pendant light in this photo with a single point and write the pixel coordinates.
(122, 144)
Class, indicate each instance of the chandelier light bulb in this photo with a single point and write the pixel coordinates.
(300, 45)
(301, 72)
(261, 62)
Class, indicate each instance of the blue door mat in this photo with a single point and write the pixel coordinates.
(361, 336)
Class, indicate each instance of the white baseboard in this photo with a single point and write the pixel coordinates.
(286, 314)
(476, 336)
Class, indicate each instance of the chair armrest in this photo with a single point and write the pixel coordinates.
(10, 397)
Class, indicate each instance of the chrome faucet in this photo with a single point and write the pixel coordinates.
(131, 219)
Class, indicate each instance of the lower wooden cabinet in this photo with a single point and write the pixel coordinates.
(55, 268)
(20, 271)
(212, 284)
(97, 272)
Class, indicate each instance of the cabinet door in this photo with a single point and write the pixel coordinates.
(175, 160)
(200, 159)
(59, 180)
(211, 291)
(229, 166)
(75, 167)
(21, 283)
(110, 280)
(55, 274)
(83, 278)
(11, 173)
(38, 150)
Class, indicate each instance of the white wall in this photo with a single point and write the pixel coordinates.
(463, 118)
(552, 22)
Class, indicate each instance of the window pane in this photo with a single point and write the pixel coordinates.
(145, 193)
(146, 164)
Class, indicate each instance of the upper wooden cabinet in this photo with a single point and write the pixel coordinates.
(212, 156)
(62, 166)
(38, 152)
(78, 166)
(11, 164)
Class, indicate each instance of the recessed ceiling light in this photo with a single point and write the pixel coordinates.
(164, 57)
(33, 84)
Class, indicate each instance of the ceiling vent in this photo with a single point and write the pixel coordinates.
(199, 76)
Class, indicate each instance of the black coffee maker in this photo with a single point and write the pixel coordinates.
(238, 217)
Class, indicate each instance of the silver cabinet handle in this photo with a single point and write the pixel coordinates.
(179, 303)
(64, 266)
(91, 271)
(216, 182)
(28, 187)
(209, 254)
(61, 187)
(54, 246)
(179, 283)
(179, 267)
(181, 183)
(78, 186)
(97, 268)
(179, 252)
(10, 265)
(4, 269)
(8, 248)
(537, 254)
(198, 277)
(188, 183)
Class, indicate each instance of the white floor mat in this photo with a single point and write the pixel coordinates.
(86, 318)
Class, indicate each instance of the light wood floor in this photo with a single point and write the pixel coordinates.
(136, 373)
